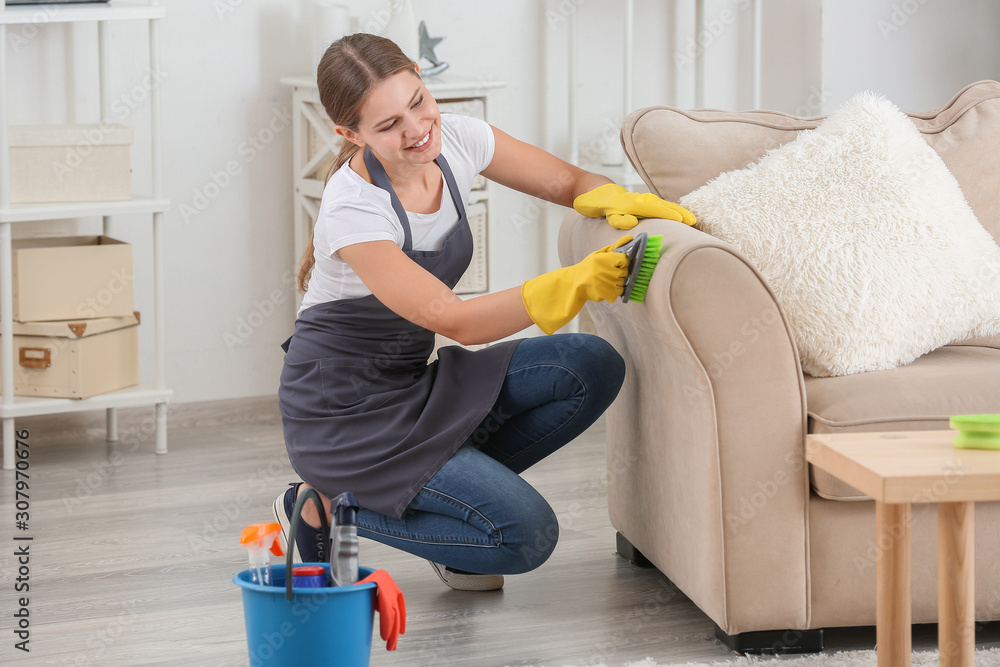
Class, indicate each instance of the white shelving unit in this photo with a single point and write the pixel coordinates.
(314, 145)
(155, 205)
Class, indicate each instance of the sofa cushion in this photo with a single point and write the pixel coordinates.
(677, 151)
(921, 396)
(864, 236)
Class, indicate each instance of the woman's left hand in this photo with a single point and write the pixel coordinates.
(623, 208)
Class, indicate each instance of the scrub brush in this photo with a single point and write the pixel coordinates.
(643, 253)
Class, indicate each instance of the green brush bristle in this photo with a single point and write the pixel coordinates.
(649, 259)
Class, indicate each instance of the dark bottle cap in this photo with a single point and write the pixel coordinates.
(346, 509)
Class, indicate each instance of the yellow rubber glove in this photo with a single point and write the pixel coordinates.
(623, 208)
(554, 298)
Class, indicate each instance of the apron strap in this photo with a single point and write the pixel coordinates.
(381, 179)
(449, 178)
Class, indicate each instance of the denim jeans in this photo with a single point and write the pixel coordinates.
(476, 513)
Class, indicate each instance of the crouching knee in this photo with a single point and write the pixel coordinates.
(532, 542)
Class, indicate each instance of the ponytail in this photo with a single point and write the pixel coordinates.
(308, 259)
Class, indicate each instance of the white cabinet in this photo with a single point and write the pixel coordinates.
(157, 395)
(314, 145)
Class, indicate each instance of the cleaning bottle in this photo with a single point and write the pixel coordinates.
(344, 560)
(259, 539)
(309, 576)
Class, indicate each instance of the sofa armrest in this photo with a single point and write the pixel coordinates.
(706, 467)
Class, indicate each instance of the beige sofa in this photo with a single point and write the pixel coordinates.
(707, 477)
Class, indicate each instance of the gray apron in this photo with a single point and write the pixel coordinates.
(361, 408)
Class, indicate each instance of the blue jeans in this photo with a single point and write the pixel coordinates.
(476, 513)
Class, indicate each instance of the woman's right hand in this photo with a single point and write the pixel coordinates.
(554, 298)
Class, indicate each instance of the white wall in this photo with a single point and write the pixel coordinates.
(228, 238)
(917, 53)
(228, 160)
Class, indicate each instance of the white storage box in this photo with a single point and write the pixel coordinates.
(71, 277)
(70, 163)
(76, 359)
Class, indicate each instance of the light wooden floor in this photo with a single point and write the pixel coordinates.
(133, 555)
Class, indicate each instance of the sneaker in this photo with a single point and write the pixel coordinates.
(467, 581)
(308, 545)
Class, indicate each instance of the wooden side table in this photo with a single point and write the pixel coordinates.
(897, 469)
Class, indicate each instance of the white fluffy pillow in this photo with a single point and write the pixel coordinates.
(865, 237)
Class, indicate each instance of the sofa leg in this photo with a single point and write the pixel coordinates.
(630, 553)
(773, 641)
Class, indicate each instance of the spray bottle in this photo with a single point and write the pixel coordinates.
(344, 560)
(259, 538)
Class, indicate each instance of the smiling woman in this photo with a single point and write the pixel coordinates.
(432, 451)
(406, 137)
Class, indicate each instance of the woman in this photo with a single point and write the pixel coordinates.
(432, 451)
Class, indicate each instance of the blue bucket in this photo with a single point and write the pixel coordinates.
(321, 626)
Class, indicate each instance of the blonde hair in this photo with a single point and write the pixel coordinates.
(348, 71)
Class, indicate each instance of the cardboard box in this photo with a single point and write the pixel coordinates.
(76, 359)
(70, 163)
(71, 277)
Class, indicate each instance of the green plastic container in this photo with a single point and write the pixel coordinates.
(976, 431)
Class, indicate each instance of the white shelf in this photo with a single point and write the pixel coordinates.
(313, 188)
(623, 174)
(35, 212)
(117, 10)
(452, 86)
(301, 81)
(130, 397)
(458, 86)
(310, 187)
(155, 206)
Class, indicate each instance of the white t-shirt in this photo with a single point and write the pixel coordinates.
(355, 211)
